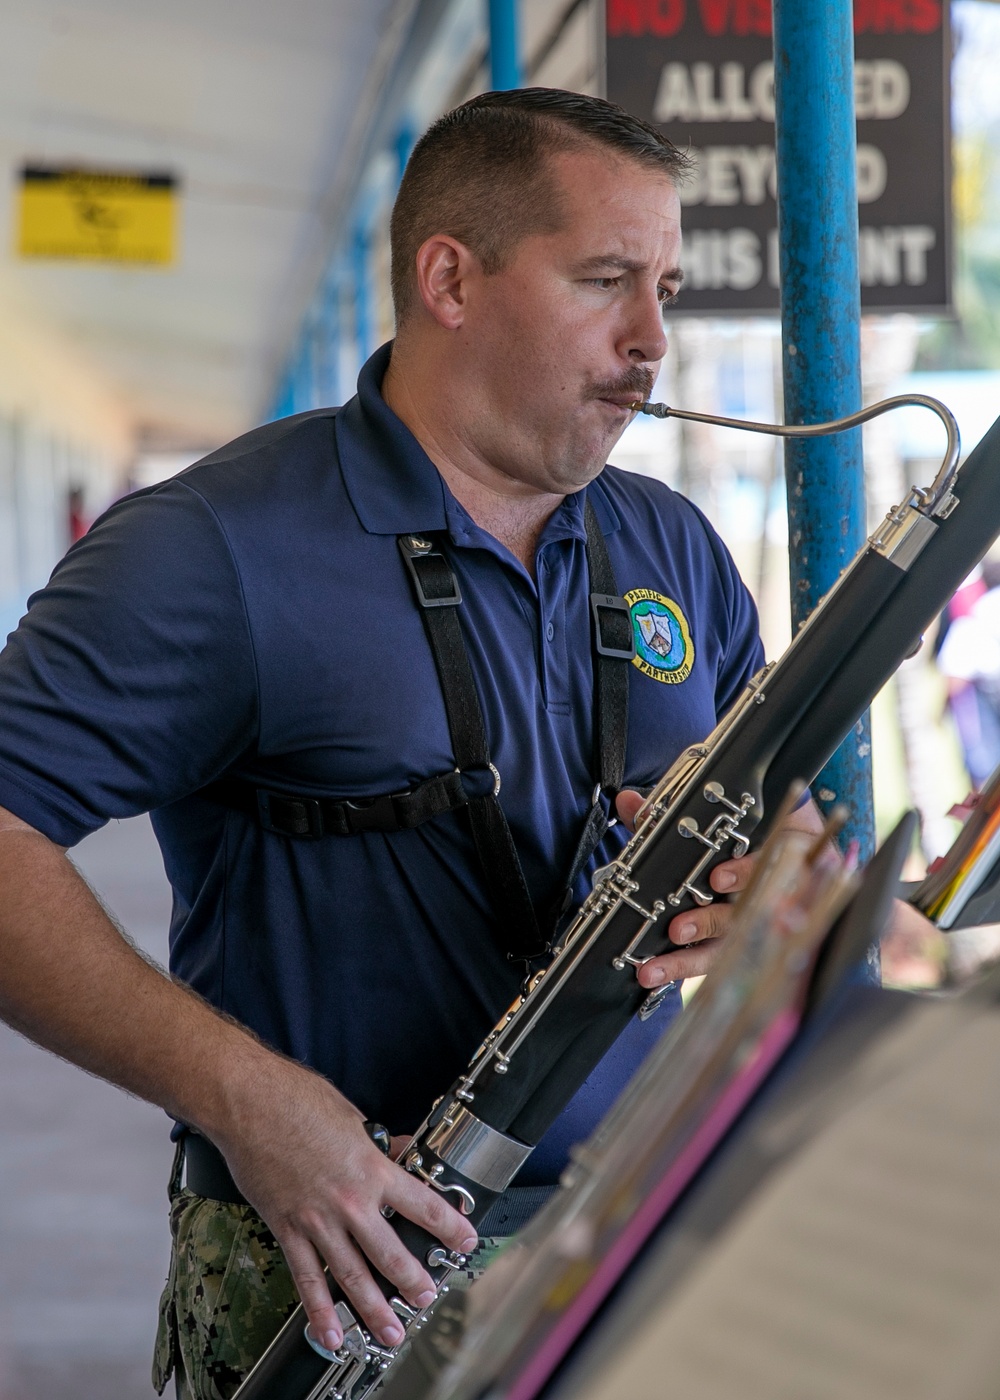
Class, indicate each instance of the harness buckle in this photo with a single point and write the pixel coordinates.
(373, 813)
(433, 578)
(286, 814)
(606, 611)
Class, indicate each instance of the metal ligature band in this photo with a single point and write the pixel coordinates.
(720, 798)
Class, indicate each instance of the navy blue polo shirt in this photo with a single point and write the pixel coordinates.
(253, 617)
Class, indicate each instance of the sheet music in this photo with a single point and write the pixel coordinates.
(868, 1267)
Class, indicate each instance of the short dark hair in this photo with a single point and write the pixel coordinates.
(480, 174)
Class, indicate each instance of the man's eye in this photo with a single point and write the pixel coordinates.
(665, 296)
(604, 283)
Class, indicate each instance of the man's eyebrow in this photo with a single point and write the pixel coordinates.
(613, 261)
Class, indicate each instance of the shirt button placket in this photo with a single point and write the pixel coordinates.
(552, 609)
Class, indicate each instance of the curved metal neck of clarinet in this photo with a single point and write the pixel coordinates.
(934, 500)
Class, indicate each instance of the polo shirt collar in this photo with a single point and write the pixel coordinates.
(394, 486)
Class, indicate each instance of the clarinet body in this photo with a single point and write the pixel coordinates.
(718, 799)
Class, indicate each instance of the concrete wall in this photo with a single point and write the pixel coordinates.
(60, 427)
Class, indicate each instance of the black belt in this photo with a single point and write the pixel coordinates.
(206, 1174)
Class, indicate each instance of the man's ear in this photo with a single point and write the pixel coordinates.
(443, 268)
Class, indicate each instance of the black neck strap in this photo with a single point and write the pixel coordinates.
(526, 935)
(613, 648)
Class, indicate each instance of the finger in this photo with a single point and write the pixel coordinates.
(627, 805)
(314, 1291)
(430, 1209)
(686, 962)
(350, 1269)
(397, 1145)
(382, 1246)
(696, 925)
(731, 876)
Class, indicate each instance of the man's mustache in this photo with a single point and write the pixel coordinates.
(637, 383)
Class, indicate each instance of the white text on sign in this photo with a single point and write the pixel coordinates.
(724, 175)
(733, 259)
(705, 92)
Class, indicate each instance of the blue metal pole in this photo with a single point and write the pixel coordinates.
(295, 377)
(361, 277)
(821, 333)
(284, 403)
(305, 370)
(326, 334)
(402, 146)
(505, 52)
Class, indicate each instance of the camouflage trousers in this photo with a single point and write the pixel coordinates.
(227, 1294)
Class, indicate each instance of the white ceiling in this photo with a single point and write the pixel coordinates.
(251, 103)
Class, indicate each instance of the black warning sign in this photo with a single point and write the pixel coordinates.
(703, 71)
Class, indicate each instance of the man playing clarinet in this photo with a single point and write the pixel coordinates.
(371, 825)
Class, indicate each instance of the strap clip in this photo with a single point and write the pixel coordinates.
(606, 611)
(433, 578)
(388, 812)
(288, 815)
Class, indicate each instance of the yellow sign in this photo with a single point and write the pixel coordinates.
(101, 216)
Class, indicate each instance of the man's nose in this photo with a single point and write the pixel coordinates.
(646, 338)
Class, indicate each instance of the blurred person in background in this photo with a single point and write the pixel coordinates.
(76, 519)
(968, 656)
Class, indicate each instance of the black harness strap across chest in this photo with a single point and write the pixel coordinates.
(312, 816)
(614, 646)
(437, 591)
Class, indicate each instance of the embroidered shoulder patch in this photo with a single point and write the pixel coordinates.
(663, 646)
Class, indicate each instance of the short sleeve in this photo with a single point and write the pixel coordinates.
(130, 682)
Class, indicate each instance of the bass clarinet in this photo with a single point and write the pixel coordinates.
(719, 798)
